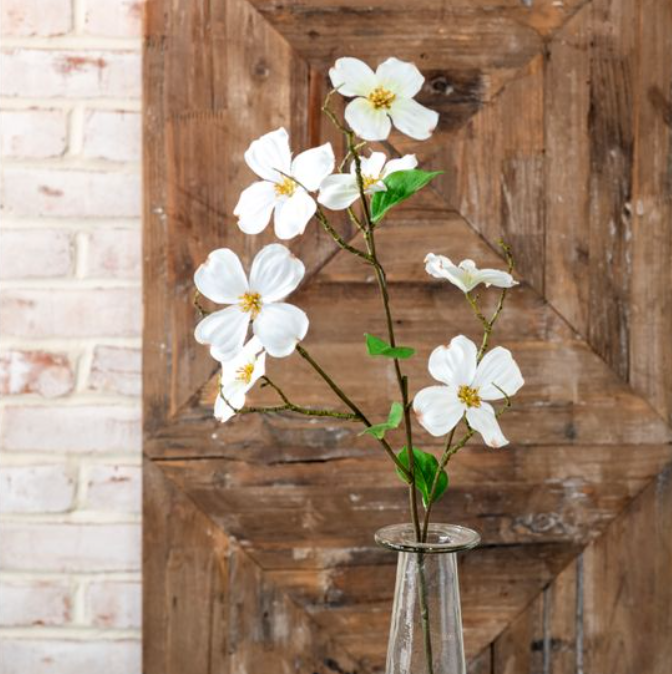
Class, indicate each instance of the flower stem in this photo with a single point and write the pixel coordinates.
(288, 406)
(353, 406)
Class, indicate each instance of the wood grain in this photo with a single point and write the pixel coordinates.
(554, 135)
(208, 607)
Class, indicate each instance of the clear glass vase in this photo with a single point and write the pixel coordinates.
(426, 630)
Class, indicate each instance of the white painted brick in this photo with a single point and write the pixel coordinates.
(115, 253)
(24, 656)
(114, 488)
(113, 18)
(114, 604)
(40, 18)
(47, 374)
(108, 312)
(112, 135)
(116, 369)
(70, 193)
(85, 428)
(35, 603)
(69, 548)
(36, 253)
(42, 73)
(33, 489)
(33, 134)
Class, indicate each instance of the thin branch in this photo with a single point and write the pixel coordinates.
(353, 406)
(288, 406)
(202, 311)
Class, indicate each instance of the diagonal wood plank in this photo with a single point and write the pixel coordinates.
(588, 444)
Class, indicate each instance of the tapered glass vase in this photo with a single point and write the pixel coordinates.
(426, 629)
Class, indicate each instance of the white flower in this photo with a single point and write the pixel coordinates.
(275, 274)
(239, 375)
(340, 190)
(279, 189)
(465, 275)
(466, 388)
(387, 93)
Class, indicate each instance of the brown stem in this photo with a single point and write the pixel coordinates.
(353, 406)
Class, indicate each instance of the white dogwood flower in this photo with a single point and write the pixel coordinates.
(238, 376)
(275, 273)
(284, 186)
(340, 190)
(382, 96)
(465, 275)
(466, 386)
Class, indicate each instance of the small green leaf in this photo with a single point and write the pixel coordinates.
(426, 466)
(400, 186)
(393, 420)
(379, 347)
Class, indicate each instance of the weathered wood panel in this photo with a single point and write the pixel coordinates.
(609, 609)
(209, 607)
(554, 134)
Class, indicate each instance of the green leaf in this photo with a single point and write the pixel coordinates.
(393, 420)
(400, 186)
(379, 347)
(426, 466)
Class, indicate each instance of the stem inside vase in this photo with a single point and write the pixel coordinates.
(426, 626)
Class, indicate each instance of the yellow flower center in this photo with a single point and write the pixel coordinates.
(285, 188)
(369, 181)
(251, 303)
(381, 98)
(469, 396)
(245, 373)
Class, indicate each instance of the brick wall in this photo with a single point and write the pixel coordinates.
(70, 322)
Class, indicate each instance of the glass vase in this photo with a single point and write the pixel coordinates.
(426, 629)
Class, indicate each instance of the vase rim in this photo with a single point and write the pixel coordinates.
(441, 538)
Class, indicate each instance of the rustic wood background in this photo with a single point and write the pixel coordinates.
(555, 134)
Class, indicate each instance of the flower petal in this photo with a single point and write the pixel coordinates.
(441, 267)
(311, 167)
(454, 364)
(367, 122)
(293, 214)
(413, 119)
(280, 327)
(252, 348)
(255, 206)
(498, 367)
(372, 165)
(352, 77)
(275, 273)
(226, 329)
(436, 265)
(400, 77)
(221, 277)
(438, 409)
(405, 163)
(224, 411)
(338, 191)
(495, 277)
(483, 420)
(268, 153)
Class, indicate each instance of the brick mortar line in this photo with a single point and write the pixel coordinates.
(129, 104)
(73, 42)
(78, 633)
(77, 400)
(86, 461)
(88, 225)
(70, 283)
(74, 162)
(86, 517)
(66, 343)
(90, 577)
